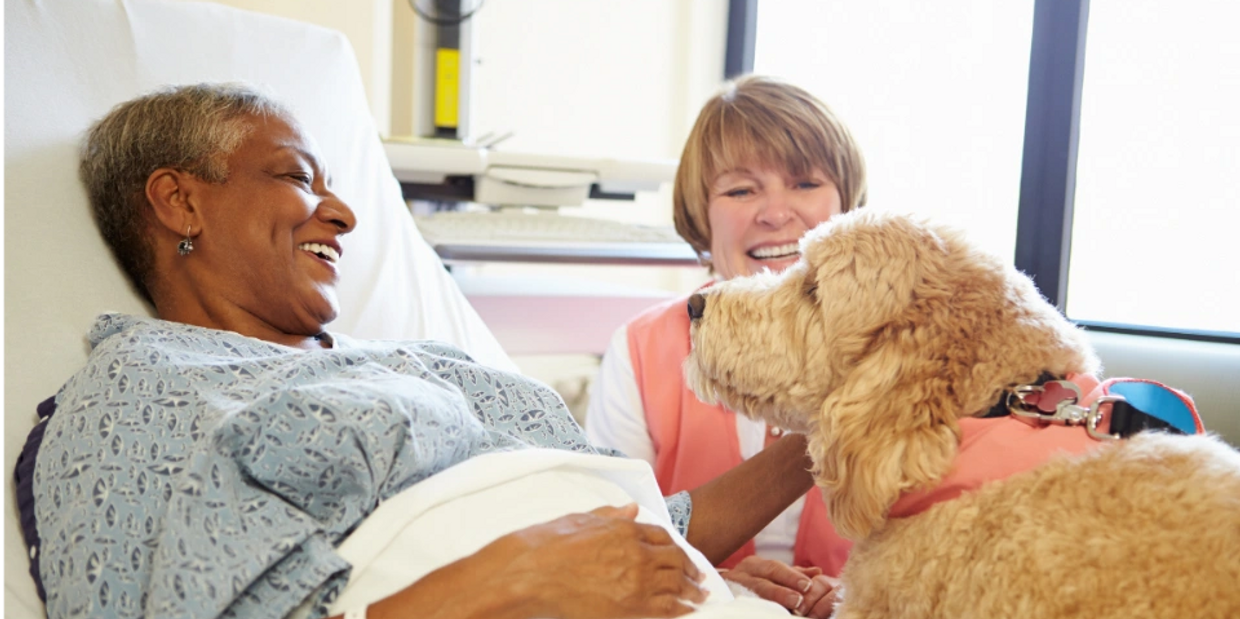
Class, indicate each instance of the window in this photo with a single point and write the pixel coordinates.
(1158, 167)
(936, 93)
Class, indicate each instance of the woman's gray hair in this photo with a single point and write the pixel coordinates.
(189, 128)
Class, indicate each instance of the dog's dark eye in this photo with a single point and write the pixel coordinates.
(812, 291)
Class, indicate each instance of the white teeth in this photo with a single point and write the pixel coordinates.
(778, 251)
(327, 252)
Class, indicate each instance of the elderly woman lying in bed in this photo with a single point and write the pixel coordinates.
(210, 462)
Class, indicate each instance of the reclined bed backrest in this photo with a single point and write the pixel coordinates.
(67, 62)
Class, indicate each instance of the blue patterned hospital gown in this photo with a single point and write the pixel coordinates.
(190, 472)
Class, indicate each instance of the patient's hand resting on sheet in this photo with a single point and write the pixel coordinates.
(625, 567)
(595, 565)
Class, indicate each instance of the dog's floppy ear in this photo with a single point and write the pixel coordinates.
(889, 428)
(888, 422)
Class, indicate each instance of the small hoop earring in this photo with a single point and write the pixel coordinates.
(187, 244)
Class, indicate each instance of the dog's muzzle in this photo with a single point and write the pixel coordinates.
(697, 305)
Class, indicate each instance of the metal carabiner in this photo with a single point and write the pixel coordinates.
(1095, 417)
(1040, 411)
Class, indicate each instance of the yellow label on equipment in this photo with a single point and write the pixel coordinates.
(447, 86)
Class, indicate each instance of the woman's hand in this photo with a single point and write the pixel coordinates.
(803, 590)
(598, 565)
(603, 564)
(823, 594)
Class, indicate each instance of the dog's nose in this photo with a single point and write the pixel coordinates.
(697, 305)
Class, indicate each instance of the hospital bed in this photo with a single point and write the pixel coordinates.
(67, 62)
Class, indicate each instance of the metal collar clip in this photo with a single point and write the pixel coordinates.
(1055, 401)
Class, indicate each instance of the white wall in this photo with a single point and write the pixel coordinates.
(615, 78)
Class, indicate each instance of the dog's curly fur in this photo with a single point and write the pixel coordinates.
(887, 332)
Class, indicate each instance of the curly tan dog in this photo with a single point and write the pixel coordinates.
(879, 344)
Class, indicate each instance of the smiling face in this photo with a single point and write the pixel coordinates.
(266, 242)
(758, 215)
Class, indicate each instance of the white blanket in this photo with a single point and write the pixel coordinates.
(460, 510)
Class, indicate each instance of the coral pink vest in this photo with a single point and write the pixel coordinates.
(997, 448)
(696, 442)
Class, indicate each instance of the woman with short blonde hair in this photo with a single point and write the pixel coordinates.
(765, 162)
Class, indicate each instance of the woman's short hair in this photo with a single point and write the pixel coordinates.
(759, 120)
(191, 128)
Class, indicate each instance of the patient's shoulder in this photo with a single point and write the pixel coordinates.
(115, 331)
(110, 325)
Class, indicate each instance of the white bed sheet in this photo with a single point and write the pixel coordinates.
(460, 510)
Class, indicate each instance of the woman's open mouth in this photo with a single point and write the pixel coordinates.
(776, 252)
(326, 252)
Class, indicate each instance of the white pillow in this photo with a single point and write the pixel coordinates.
(67, 62)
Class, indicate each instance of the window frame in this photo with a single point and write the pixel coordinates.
(1048, 163)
